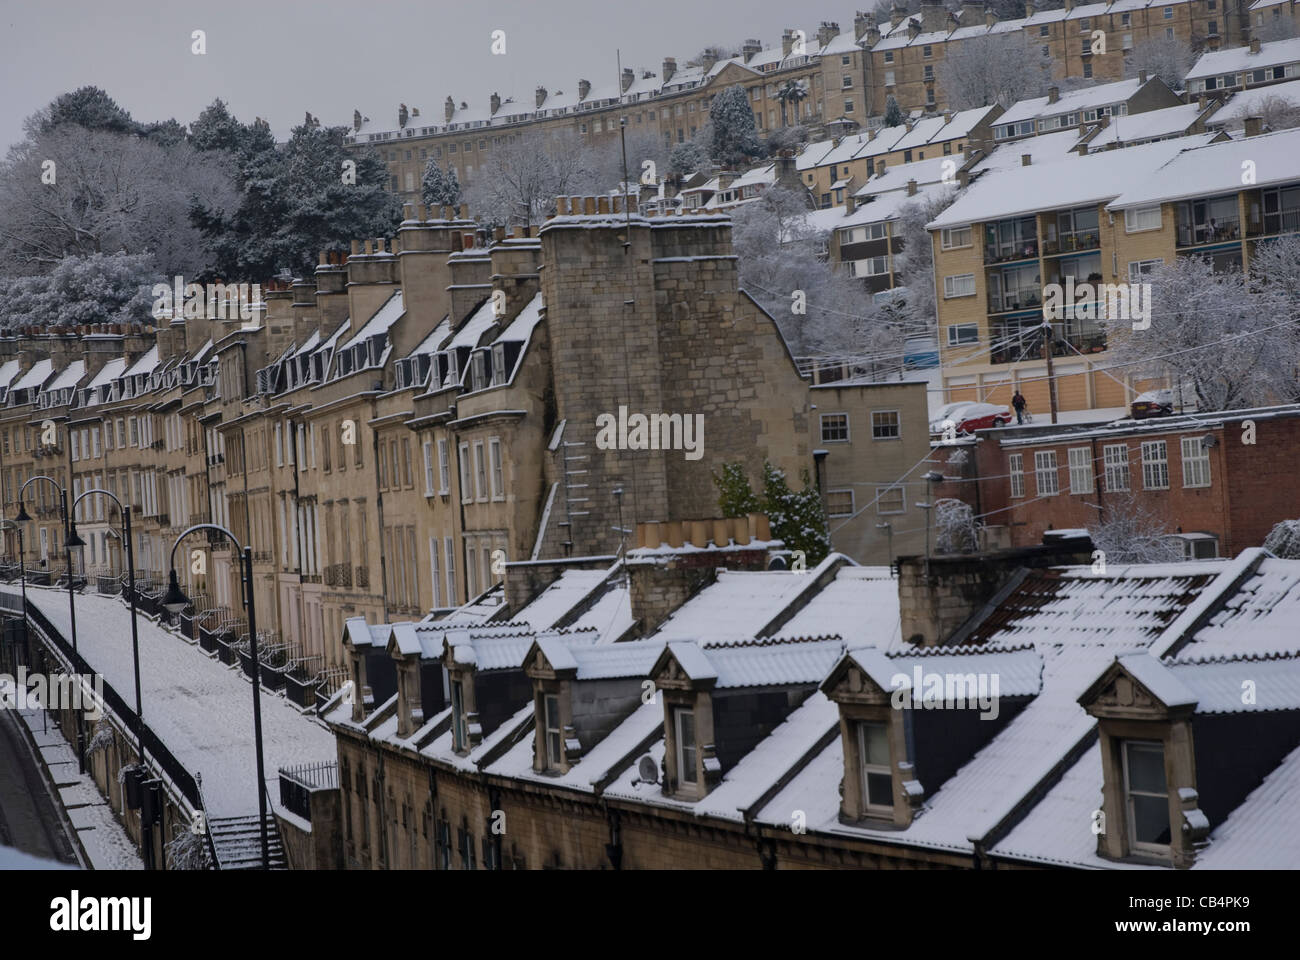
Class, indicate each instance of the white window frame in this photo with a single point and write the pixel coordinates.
(950, 237)
(1135, 845)
(449, 546)
(898, 425)
(1155, 469)
(951, 288)
(1081, 477)
(427, 447)
(848, 435)
(681, 749)
(852, 505)
(552, 732)
(865, 769)
(496, 475)
(1115, 456)
(1138, 219)
(956, 341)
(1047, 481)
(466, 491)
(1016, 472)
(880, 494)
(444, 467)
(480, 472)
(1196, 464)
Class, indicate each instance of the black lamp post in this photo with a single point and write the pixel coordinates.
(147, 833)
(23, 517)
(175, 601)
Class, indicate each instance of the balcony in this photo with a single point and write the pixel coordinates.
(1021, 339)
(1011, 253)
(1214, 230)
(1021, 298)
(1284, 221)
(1071, 243)
(1010, 240)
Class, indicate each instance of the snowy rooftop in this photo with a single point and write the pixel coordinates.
(1102, 94)
(69, 376)
(1143, 126)
(1247, 103)
(384, 317)
(1207, 169)
(145, 364)
(1236, 59)
(38, 374)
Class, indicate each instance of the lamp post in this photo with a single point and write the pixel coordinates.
(22, 574)
(175, 601)
(23, 517)
(147, 829)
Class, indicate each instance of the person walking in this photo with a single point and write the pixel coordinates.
(1018, 402)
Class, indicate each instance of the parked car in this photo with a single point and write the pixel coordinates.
(1153, 403)
(949, 411)
(982, 416)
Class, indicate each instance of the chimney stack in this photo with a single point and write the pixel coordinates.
(1142, 78)
(1053, 94)
(1254, 44)
(584, 88)
(1254, 126)
(669, 68)
(495, 100)
(911, 188)
(539, 97)
(628, 77)
(1025, 159)
(449, 108)
(787, 42)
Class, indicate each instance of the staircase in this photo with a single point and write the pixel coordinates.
(238, 843)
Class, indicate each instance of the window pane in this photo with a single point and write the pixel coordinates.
(880, 789)
(875, 744)
(1146, 767)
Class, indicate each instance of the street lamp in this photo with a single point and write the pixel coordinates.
(23, 517)
(175, 601)
(75, 540)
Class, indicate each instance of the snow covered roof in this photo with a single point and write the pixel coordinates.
(1247, 103)
(37, 375)
(434, 340)
(309, 345)
(1207, 169)
(922, 171)
(759, 664)
(1099, 95)
(383, 318)
(611, 661)
(503, 648)
(145, 364)
(570, 589)
(1145, 126)
(1236, 59)
(472, 330)
(521, 327)
(69, 376)
(8, 370)
(1069, 182)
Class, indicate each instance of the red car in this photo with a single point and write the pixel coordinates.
(982, 416)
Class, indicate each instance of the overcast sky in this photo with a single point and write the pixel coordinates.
(279, 58)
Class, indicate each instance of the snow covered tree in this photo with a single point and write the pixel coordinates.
(1275, 28)
(894, 116)
(687, 158)
(734, 138)
(1128, 531)
(521, 179)
(996, 68)
(915, 264)
(186, 850)
(440, 187)
(1278, 113)
(1216, 334)
(791, 94)
(796, 517)
(100, 288)
(954, 527)
(1168, 58)
(786, 138)
(88, 107)
(735, 497)
(1284, 540)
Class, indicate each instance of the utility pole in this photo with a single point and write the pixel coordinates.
(1051, 376)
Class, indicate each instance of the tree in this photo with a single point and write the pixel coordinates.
(1168, 58)
(100, 288)
(439, 187)
(111, 192)
(1128, 531)
(915, 264)
(792, 93)
(954, 527)
(796, 517)
(894, 116)
(295, 200)
(1284, 540)
(687, 158)
(1278, 113)
(1215, 334)
(786, 138)
(88, 107)
(734, 138)
(522, 178)
(996, 68)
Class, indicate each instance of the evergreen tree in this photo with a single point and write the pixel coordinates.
(735, 498)
(100, 288)
(734, 138)
(439, 187)
(686, 158)
(88, 107)
(894, 116)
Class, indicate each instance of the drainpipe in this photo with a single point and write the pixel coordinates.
(379, 511)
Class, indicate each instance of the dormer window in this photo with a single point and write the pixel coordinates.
(499, 363)
(479, 371)
(684, 730)
(1146, 796)
(873, 761)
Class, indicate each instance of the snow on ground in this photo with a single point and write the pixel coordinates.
(106, 843)
(201, 709)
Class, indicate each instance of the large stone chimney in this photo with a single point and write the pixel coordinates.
(449, 108)
(669, 68)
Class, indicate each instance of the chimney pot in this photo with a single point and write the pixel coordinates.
(602, 204)
(356, 248)
(911, 188)
(1025, 159)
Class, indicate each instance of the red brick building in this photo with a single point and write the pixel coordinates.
(1220, 480)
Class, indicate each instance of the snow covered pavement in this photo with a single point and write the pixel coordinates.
(201, 709)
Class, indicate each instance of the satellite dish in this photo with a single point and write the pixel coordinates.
(647, 769)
